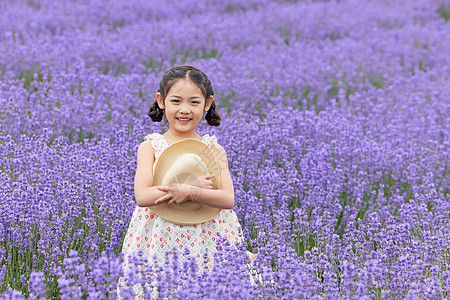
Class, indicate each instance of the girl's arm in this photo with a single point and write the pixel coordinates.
(221, 198)
(215, 198)
(224, 196)
(144, 192)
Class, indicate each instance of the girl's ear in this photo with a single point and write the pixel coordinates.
(160, 100)
(209, 102)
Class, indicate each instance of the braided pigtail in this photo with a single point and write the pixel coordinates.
(156, 113)
(212, 116)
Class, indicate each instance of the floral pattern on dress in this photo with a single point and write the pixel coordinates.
(156, 236)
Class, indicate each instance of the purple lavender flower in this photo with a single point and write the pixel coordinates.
(335, 126)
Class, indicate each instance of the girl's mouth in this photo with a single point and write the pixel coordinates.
(183, 121)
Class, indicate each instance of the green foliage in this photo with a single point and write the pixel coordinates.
(444, 11)
(120, 70)
(28, 75)
(32, 4)
(151, 64)
(375, 81)
(75, 136)
(334, 89)
(225, 100)
(335, 36)
(304, 243)
(2, 70)
(285, 34)
(118, 24)
(199, 54)
(421, 66)
(113, 68)
(311, 98)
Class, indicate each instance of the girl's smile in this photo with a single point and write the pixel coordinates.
(183, 121)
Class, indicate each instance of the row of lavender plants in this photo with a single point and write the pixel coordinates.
(335, 121)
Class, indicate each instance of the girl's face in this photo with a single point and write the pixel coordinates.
(184, 100)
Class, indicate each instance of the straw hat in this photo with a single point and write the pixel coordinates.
(184, 161)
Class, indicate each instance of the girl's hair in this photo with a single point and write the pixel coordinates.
(198, 78)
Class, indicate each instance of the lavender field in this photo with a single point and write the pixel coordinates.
(335, 119)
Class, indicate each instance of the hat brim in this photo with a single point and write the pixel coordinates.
(178, 214)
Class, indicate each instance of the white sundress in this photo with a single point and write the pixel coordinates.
(155, 235)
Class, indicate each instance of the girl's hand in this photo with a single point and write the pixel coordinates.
(203, 182)
(176, 193)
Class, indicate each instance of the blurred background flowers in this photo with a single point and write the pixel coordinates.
(335, 121)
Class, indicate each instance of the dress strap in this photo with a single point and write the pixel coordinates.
(157, 141)
(148, 136)
(209, 140)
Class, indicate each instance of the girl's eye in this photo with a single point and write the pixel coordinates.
(197, 102)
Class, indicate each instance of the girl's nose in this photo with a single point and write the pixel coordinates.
(185, 109)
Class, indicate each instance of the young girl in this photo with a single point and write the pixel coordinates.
(184, 94)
